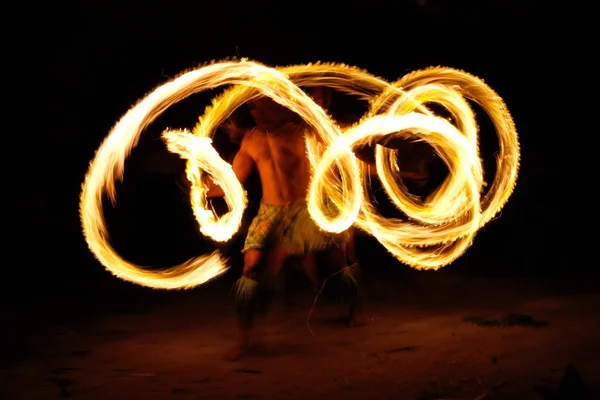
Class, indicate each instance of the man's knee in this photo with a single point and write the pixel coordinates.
(276, 259)
(252, 258)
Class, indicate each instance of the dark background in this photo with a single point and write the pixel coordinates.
(87, 64)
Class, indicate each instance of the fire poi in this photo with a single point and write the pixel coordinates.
(435, 232)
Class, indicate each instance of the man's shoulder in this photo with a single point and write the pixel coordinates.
(252, 139)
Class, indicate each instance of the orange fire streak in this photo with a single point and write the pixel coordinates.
(436, 232)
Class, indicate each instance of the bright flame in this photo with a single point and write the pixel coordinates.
(448, 219)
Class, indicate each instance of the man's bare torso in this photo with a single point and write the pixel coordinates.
(281, 161)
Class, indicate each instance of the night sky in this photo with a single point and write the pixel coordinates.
(94, 61)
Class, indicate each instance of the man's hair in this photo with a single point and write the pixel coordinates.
(242, 117)
(264, 101)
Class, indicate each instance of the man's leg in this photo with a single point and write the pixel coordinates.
(351, 277)
(309, 264)
(246, 302)
(254, 296)
(274, 261)
(350, 249)
(252, 258)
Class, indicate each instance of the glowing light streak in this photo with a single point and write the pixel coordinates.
(436, 232)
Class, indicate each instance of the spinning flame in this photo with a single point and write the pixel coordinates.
(436, 232)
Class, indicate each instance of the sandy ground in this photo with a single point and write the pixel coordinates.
(134, 343)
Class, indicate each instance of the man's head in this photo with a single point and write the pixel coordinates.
(267, 112)
(233, 130)
(237, 124)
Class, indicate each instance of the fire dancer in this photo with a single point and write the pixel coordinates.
(283, 227)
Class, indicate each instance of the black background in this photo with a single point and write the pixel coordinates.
(75, 70)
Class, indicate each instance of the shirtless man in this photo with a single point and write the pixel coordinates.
(276, 148)
(283, 227)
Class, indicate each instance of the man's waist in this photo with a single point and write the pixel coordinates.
(284, 203)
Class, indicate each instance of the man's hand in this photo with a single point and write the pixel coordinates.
(212, 190)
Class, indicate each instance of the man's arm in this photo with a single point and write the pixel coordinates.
(364, 153)
(414, 168)
(242, 167)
